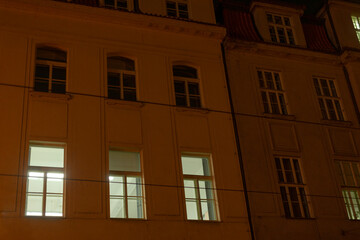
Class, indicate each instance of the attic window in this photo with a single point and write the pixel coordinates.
(280, 29)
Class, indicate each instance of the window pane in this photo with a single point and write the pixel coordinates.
(189, 188)
(317, 86)
(134, 186)
(135, 208)
(116, 185)
(278, 20)
(272, 34)
(181, 100)
(348, 174)
(129, 81)
(339, 172)
(117, 207)
(46, 156)
(285, 202)
(195, 166)
(279, 170)
(120, 63)
(274, 103)
(42, 71)
(282, 104)
(333, 89)
(304, 202)
(54, 205)
(51, 54)
(269, 80)
(325, 87)
(184, 71)
(277, 81)
(113, 79)
(323, 109)
(34, 204)
(183, 14)
(338, 110)
(288, 170)
(182, 7)
(171, 12)
(59, 73)
(114, 93)
(58, 87)
(122, 4)
(130, 94)
(55, 183)
(356, 173)
(179, 87)
(261, 79)
(205, 189)
(265, 102)
(110, 3)
(331, 109)
(281, 34)
(192, 210)
(287, 21)
(193, 88)
(269, 18)
(297, 171)
(195, 101)
(35, 182)
(208, 210)
(124, 161)
(41, 85)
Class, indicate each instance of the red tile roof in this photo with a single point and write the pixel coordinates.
(240, 25)
(316, 37)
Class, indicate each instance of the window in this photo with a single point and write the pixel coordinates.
(117, 4)
(349, 175)
(356, 22)
(121, 80)
(50, 70)
(292, 188)
(328, 98)
(125, 185)
(186, 83)
(45, 181)
(272, 92)
(280, 29)
(198, 187)
(177, 9)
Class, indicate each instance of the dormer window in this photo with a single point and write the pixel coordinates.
(117, 4)
(280, 29)
(356, 22)
(177, 9)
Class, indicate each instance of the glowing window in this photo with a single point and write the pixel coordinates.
(356, 23)
(349, 175)
(125, 185)
(199, 188)
(45, 181)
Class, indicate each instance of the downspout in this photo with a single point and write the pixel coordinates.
(237, 139)
(346, 73)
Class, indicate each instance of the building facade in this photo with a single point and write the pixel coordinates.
(294, 86)
(116, 122)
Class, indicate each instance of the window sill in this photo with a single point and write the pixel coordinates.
(191, 109)
(129, 219)
(203, 221)
(124, 103)
(280, 116)
(51, 96)
(336, 122)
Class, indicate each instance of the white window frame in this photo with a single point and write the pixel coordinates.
(330, 95)
(302, 199)
(128, 8)
(286, 28)
(45, 171)
(122, 72)
(350, 191)
(125, 174)
(356, 24)
(196, 179)
(177, 2)
(51, 64)
(275, 88)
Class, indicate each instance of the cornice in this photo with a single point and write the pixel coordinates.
(109, 16)
(350, 56)
(283, 52)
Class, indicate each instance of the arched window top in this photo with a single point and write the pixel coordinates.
(50, 54)
(121, 63)
(184, 71)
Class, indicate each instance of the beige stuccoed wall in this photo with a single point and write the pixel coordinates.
(89, 124)
(303, 135)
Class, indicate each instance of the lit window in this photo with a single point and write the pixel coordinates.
(50, 70)
(292, 188)
(349, 175)
(198, 187)
(177, 9)
(121, 80)
(272, 92)
(328, 98)
(356, 22)
(186, 83)
(117, 4)
(45, 181)
(125, 185)
(280, 29)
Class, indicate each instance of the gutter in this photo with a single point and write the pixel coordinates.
(237, 139)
